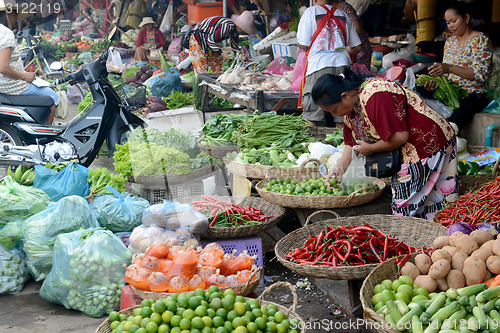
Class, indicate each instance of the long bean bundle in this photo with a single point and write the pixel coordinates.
(271, 129)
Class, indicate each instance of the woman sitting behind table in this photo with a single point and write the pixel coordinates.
(467, 60)
(149, 37)
(427, 179)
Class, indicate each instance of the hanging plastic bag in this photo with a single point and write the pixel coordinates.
(168, 19)
(410, 78)
(40, 231)
(355, 176)
(72, 180)
(298, 71)
(62, 108)
(163, 84)
(114, 63)
(175, 46)
(88, 272)
(119, 212)
(13, 271)
(174, 215)
(18, 201)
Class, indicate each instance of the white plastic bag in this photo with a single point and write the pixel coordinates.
(62, 108)
(114, 63)
(439, 106)
(410, 78)
(168, 19)
(355, 173)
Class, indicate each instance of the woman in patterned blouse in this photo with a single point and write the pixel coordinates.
(467, 60)
(382, 115)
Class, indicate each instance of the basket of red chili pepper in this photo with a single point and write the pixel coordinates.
(231, 217)
(349, 248)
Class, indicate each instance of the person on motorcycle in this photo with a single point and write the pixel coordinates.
(14, 80)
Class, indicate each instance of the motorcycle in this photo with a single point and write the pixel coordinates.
(24, 137)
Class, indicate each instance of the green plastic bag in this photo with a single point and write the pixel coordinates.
(11, 234)
(13, 271)
(88, 272)
(18, 201)
(40, 231)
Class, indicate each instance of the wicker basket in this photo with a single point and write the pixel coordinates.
(386, 270)
(319, 202)
(469, 183)
(172, 178)
(217, 152)
(104, 327)
(268, 208)
(243, 289)
(257, 171)
(411, 230)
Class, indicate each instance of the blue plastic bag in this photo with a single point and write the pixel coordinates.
(72, 180)
(119, 212)
(163, 84)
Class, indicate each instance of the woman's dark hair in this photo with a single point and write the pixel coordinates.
(329, 88)
(3, 18)
(461, 8)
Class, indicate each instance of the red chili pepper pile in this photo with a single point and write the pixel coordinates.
(227, 214)
(350, 246)
(481, 205)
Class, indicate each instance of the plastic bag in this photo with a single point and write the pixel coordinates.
(175, 46)
(11, 234)
(85, 57)
(72, 180)
(18, 201)
(143, 237)
(163, 84)
(73, 93)
(40, 231)
(119, 212)
(410, 78)
(355, 175)
(88, 272)
(173, 215)
(439, 107)
(298, 71)
(279, 66)
(13, 271)
(62, 108)
(168, 19)
(114, 63)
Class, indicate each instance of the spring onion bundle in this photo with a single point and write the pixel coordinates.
(448, 92)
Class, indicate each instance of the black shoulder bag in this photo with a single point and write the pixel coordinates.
(386, 163)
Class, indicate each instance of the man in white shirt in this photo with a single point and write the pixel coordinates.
(329, 53)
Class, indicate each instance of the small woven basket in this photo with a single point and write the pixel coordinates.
(319, 202)
(105, 327)
(217, 152)
(386, 270)
(469, 183)
(413, 231)
(243, 289)
(258, 171)
(266, 207)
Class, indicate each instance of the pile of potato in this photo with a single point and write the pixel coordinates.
(460, 260)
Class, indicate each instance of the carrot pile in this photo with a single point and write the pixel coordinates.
(351, 246)
(481, 205)
(83, 45)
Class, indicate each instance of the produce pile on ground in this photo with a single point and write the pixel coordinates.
(153, 152)
(350, 246)
(138, 75)
(481, 205)
(101, 178)
(204, 311)
(226, 214)
(317, 187)
(178, 269)
(218, 130)
(13, 271)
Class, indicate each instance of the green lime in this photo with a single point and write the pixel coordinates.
(221, 329)
(188, 331)
(246, 319)
(159, 306)
(406, 280)
(144, 322)
(228, 326)
(271, 327)
(216, 294)
(146, 302)
(388, 294)
(238, 321)
(405, 289)
(401, 296)
(152, 327)
(270, 318)
(231, 315)
(221, 313)
(146, 311)
(182, 301)
(175, 330)
(239, 308)
(136, 312)
(241, 329)
(228, 302)
(141, 330)
(250, 315)
(279, 316)
(133, 328)
(213, 289)
(207, 321)
(201, 311)
(185, 324)
(197, 322)
(257, 313)
(252, 327)
(180, 311)
(189, 314)
(421, 291)
(240, 299)
(118, 330)
(166, 316)
(261, 323)
(218, 321)
(123, 317)
(194, 302)
(210, 312)
(264, 310)
(163, 328)
(155, 317)
(130, 318)
(387, 284)
(280, 328)
(396, 284)
(286, 323)
(115, 316)
(172, 306)
(229, 292)
(137, 320)
(271, 311)
(207, 330)
(216, 303)
(175, 320)
(114, 325)
(200, 292)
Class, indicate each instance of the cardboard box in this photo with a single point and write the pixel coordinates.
(285, 48)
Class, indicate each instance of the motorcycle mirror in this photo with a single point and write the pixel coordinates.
(112, 33)
(56, 66)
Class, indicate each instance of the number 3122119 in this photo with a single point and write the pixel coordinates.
(33, 8)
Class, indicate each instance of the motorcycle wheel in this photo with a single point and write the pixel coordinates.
(9, 137)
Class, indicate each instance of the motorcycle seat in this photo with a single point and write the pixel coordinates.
(26, 100)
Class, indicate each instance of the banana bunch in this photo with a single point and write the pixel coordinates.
(23, 175)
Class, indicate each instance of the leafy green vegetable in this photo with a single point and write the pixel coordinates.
(188, 77)
(86, 102)
(219, 129)
(172, 138)
(448, 92)
(177, 100)
(100, 178)
(220, 102)
(130, 72)
(336, 138)
(11, 234)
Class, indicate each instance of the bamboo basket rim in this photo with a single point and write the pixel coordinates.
(104, 327)
(423, 232)
(276, 211)
(259, 171)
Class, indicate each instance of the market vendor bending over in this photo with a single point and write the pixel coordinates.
(203, 49)
(467, 60)
(149, 37)
(427, 179)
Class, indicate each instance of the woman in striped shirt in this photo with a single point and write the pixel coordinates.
(203, 47)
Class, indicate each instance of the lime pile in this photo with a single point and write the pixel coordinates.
(315, 187)
(203, 311)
